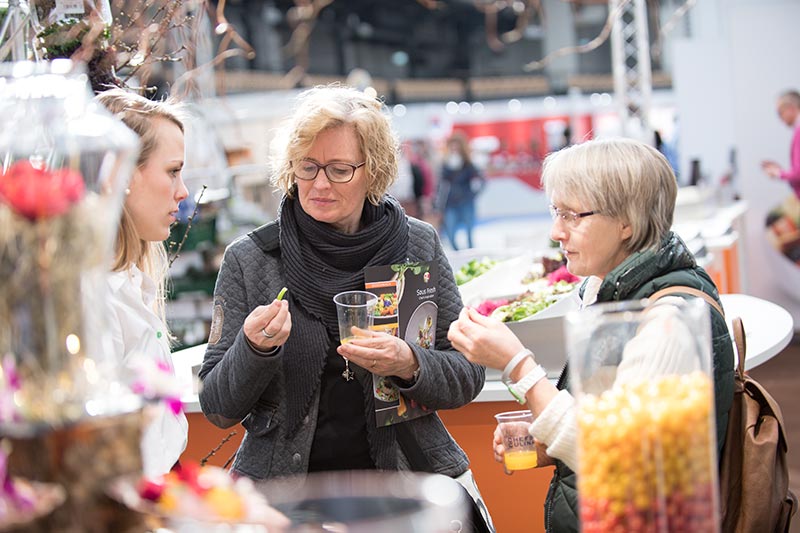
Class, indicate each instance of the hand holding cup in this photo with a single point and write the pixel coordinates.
(518, 445)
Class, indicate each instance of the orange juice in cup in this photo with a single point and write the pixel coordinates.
(520, 449)
(521, 460)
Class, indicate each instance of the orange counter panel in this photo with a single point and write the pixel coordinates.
(516, 502)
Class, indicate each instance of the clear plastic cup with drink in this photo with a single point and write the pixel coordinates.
(520, 449)
(354, 309)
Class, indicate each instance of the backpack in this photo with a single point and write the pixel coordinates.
(754, 475)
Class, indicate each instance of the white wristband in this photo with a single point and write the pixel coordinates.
(519, 389)
(516, 360)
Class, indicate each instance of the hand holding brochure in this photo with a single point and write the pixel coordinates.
(406, 308)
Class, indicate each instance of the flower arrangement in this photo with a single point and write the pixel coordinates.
(46, 219)
(22, 501)
(200, 495)
(156, 382)
(61, 182)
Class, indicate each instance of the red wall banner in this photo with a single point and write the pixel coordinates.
(523, 144)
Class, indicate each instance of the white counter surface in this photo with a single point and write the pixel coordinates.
(768, 329)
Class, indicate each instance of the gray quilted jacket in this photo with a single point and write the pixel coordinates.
(241, 385)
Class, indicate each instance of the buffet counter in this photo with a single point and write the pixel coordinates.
(768, 327)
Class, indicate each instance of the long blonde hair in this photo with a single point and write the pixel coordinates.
(140, 115)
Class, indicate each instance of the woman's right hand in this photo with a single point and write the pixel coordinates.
(268, 326)
(497, 445)
(542, 459)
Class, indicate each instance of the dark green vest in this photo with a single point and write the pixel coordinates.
(639, 276)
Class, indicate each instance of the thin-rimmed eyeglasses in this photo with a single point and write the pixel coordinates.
(337, 172)
(567, 216)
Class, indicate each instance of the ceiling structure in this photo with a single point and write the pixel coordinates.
(403, 42)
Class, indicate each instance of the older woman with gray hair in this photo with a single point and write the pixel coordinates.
(277, 365)
(612, 203)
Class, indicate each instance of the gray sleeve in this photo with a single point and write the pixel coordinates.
(233, 375)
(447, 380)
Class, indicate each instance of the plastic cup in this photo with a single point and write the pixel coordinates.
(520, 450)
(354, 309)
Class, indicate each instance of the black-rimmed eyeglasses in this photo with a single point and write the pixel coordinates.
(570, 218)
(335, 172)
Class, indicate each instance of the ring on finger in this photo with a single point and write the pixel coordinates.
(374, 362)
(267, 335)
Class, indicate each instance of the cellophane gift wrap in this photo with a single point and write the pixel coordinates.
(65, 166)
(642, 376)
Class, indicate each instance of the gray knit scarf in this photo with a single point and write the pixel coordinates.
(319, 263)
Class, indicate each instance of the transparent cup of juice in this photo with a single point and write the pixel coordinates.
(520, 449)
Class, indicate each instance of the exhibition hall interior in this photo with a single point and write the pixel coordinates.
(399, 266)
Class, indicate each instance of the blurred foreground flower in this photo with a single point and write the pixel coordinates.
(40, 193)
(156, 381)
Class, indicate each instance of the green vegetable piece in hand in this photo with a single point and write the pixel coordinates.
(282, 293)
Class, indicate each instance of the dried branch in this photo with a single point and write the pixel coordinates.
(523, 18)
(431, 4)
(490, 16)
(230, 34)
(670, 25)
(229, 461)
(582, 49)
(303, 17)
(153, 36)
(217, 448)
(187, 76)
(490, 9)
(188, 227)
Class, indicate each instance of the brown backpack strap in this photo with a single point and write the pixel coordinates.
(741, 344)
(738, 326)
(682, 289)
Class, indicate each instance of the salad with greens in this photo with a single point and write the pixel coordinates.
(541, 296)
(474, 268)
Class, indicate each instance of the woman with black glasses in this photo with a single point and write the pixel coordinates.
(277, 364)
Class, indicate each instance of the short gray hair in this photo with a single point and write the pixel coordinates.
(621, 178)
(790, 97)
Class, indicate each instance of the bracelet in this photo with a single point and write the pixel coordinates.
(522, 354)
(519, 389)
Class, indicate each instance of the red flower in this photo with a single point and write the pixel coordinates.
(188, 472)
(150, 489)
(40, 193)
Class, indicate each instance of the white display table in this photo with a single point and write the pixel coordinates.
(768, 329)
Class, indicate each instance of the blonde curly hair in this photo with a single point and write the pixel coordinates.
(331, 106)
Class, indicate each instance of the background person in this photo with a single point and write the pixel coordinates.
(277, 366)
(612, 203)
(460, 182)
(137, 294)
(423, 177)
(789, 112)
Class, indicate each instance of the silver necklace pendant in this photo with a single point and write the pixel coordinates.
(347, 374)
